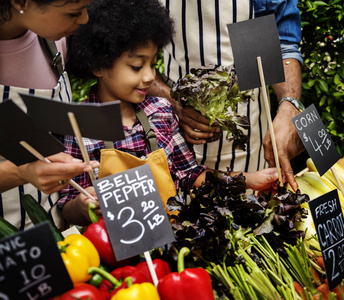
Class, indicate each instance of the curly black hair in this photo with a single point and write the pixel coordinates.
(114, 27)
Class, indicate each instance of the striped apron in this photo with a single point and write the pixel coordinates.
(201, 39)
(10, 206)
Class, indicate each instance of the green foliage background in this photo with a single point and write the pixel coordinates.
(322, 47)
(323, 70)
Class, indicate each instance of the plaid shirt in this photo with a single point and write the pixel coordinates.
(182, 164)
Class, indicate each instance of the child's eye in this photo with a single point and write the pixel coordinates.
(76, 15)
(136, 68)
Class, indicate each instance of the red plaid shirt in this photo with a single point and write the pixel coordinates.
(182, 164)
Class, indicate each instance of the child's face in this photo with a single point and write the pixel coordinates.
(130, 77)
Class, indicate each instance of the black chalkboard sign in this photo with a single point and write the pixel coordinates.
(316, 139)
(253, 38)
(329, 224)
(101, 121)
(134, 214)
(17, 126)
(31, 266)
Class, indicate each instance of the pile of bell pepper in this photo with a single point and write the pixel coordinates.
(124, 277)
(134, 282)
(89, 258)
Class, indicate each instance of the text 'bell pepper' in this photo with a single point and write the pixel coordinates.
(82, 291)
(187, 284)
(137, 291)
(98, 235)
(78, 254)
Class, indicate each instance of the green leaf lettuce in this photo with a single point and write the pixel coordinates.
(213, 91)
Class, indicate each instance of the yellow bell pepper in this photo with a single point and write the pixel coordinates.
(137, 291)
(78, 254)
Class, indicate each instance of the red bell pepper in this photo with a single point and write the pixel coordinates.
(137, 276)
(108, 283)
(98, 235)
(83, 291)
(162, 268)
(188, 284)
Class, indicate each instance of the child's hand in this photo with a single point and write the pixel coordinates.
(85, 201)
(262, 180)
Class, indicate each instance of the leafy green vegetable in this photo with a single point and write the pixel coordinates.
(220, 217)
(213, 91)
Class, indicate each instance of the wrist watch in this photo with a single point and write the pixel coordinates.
(296, 102)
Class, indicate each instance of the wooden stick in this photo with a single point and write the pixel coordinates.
(268, 113)
(78, 135)
(151, 267)
(337, 180)
(34, 152)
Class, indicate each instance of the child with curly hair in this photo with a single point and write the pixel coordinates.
(119, 46)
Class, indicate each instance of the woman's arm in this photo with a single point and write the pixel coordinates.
(43, 175)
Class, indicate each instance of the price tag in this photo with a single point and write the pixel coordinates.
(134, 214)
(31, 266)
(316, 139)
(329, 224)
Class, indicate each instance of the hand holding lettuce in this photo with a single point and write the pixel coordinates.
(213, 91)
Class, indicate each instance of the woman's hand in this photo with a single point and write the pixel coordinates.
(52, 177)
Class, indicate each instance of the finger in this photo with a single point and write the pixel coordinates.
(289, 174)
(196, 121)
(63, 158)
(273, 175)
(189, 113)
(94, 164)
(195, 125)
(268, 151)
(269, 158)
(195, 141)
(66, 170)
(51, 188)
(194, 137)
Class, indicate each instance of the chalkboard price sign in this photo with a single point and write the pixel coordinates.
(133, 212)
(316, 139)
(329, 224)
(31, 266)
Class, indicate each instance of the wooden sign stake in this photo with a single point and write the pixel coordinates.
(151, 267)
(268, 113)
(34, 152)
(77, 133)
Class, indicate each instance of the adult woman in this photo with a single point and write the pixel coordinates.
(26, 68)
